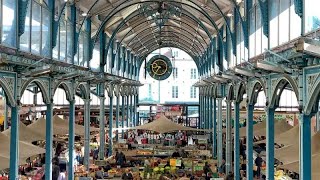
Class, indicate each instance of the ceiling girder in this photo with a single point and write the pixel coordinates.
(146, 44)
(153, 43)
(183, 33)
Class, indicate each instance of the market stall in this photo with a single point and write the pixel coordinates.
(26, 150)
(290, 153)
(279, 126)
(164, 125)
(26, 134)
(256, 127)
(60, 126)
(294, 166)
(286, 137)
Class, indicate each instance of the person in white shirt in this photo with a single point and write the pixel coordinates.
(62, 175)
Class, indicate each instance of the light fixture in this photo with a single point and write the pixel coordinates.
(84, 14)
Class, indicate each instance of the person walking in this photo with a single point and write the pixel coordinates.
(258, 162)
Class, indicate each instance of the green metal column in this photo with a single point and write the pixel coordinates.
(228, 137)
(14, 142)
(137, 111)
(5, 123)
(136, 120)
(210, 119)
(187, 120)
(206, 112)
(219, 132)
(128, 114)
(110, 126)
(86, 160)
(250, 141)
(117, 117)
(123, 114)
(204, 115)
(305, 147)
(236, 140)
(71, 139)
(102, 126)
(200, 112)
(199, 109)
(203, 122)
(214, 129)
(49, 140)
(270, 143)
(131, 111)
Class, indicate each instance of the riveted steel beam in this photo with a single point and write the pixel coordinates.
(182, 36)
(185, 33)
(151, 43)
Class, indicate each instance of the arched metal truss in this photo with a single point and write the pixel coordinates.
(190, 5)
(142, 32)
(167, 34)
(136, 13)
(164, 45)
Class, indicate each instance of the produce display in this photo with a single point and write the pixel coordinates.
(144, 152)
(280, 175)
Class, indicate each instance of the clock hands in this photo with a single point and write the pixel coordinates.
(155, 68)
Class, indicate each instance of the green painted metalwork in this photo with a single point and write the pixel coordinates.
(71, 139)
(134, 14)
(115, 11)
(22, 8)
(147, 36)
(264, 6)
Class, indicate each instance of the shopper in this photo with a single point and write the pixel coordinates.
(176, 154)
(55, 169)
(99, 174)
(207, 170)
(230, 176)
(62, 175)
(120, 159)
(258, 163)
(222, 168)
(127, 175)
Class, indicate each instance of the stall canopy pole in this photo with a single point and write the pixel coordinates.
(49, 138)
(86, 161)
(270, 143)
(236, 140)
(71, 139)
(250, 141)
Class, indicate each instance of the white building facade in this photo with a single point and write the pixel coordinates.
(174, 89)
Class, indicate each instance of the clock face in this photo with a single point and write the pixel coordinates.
(159, 67)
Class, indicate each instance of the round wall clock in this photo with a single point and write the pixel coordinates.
(159, 67)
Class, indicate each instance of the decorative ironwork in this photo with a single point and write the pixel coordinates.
(159, 14)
